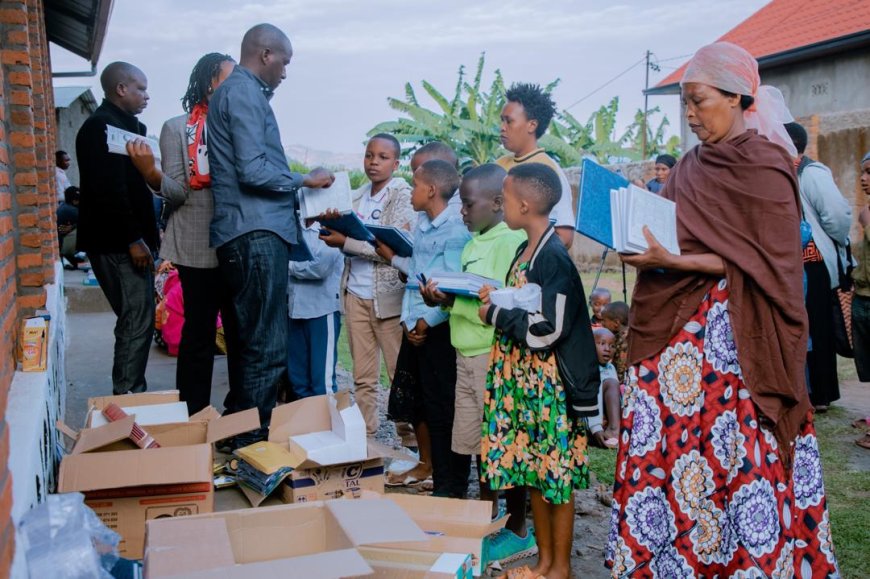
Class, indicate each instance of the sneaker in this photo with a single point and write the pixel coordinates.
(506, 547)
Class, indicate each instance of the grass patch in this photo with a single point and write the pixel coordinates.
(602, 462)
(848, 492)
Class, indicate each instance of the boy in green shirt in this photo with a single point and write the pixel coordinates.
(490, 253)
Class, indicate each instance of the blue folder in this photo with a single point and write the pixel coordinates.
(394, 238)
(593, 204)
(349, 224)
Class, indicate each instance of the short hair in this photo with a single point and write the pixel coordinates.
(71, 193)
(438, 150)
(264, 36)
(600, 292)
(117, 73)
(540, 183)
(391, 139)
(746, 100)
(58, 155)
(798, 136)
(490, 177)
(442, 175)
(603, 332)
(617, 311)
(537, 104)
(666, 159)
(205, 69)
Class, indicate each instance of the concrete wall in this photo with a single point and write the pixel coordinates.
(69, 121)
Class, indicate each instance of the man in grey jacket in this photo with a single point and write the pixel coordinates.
(254, 228)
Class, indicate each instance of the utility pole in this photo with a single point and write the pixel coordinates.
(645, 108)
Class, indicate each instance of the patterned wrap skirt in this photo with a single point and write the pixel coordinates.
(700, 490)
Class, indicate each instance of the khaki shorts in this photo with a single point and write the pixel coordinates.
(468, 417)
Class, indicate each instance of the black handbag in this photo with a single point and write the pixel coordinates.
(842, 305)
(402, 403)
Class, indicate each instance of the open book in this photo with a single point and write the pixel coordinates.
(349, 223)
(462, 283)
(631, 208)
(314, 202)
(116, 140)
(398, 240)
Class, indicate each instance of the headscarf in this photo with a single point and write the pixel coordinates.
(866, 158)
(729, 67)
(197, 147)
(666, 159)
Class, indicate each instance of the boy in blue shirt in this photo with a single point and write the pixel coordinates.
(439, 238)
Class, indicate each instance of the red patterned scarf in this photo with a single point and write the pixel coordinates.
(197, 147)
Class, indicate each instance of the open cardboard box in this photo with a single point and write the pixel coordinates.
(451, 525)
(316, 476)
(126, 485)
(318, 539)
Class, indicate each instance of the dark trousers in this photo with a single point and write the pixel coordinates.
(254, 268)
(435, 402)
(822, 357)
(312, 352)
(130, 292)
(204, 296)
(861, 336)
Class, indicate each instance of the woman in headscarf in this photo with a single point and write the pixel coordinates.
(718, 471)
(663, 166)
(184, 183)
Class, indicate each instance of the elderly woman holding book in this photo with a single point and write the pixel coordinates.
(718, 471)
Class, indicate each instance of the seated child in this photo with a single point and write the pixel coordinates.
(426, 349)
(314, 316)
(605, 435)
(543, 378)
(614, 317)
(598, 300)
(490, 252)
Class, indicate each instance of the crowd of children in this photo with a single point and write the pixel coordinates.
(518, 393)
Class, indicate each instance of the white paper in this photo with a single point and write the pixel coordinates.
(527, 297)
(148, 415)
(632, 208)
(345, 442)
(116, 139)
(314, 202)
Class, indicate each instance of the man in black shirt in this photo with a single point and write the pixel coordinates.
(117, 227)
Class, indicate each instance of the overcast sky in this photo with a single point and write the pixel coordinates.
(350, 56)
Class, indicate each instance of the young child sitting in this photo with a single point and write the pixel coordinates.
(606, 435)
(426, 349)
(315, 318)
(543, 376)
(490, 253)
(614, 317)
(598, 300)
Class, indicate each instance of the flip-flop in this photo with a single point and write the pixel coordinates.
(864, 441)
(861, 422)
(408, 481)
(611, 443)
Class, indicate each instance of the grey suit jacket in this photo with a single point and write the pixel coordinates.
(186, 241)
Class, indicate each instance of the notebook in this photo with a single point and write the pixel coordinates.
(593, 203)
(396, 239)
(462, 283)
(631, 209)
(315, 202)
(349, 223)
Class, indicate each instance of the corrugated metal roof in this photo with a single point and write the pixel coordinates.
(78, 25)
(64, 96)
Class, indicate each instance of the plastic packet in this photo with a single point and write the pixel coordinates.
(527, 298)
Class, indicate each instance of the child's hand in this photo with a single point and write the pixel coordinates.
(318, 178)
(435, 297)
(383, 250)
(333, 238)
(484, 294)
(417, 336)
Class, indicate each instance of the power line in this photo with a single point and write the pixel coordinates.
(611, 81)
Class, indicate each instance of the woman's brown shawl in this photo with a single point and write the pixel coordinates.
(739, 200)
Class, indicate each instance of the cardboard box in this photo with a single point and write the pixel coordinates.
(312, 540)
(334, 482)
(451, 525)
(341, 440)
(33, 344)
(127, 486)
(408, 564)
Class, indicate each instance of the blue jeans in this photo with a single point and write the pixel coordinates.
(254, 269)
(312, 351)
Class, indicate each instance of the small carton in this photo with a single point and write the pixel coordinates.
(317, 539)
(334, 482)
(344, 439)
(126, 485)
(451, 525)
(408, 564)
(33, 344)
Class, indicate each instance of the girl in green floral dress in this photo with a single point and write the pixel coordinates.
(543, 376)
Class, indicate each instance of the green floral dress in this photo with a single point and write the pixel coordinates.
(528, 438)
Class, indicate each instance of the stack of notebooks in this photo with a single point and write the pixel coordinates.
(462, 283)
(262, 466)
(349, 223)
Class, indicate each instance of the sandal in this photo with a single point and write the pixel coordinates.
(864, 441)
(523, 572)
(861, 422)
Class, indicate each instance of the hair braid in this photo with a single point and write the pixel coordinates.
(203, 72)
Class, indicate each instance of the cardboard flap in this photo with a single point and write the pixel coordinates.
(232, 424)
(205, 415)
(331, 565)
(141, 399)
(456, 517)
(255, 498)
(380, 450)
(172, 553)
(133, 468)
(307, 415)
(64, 429)
(93, 438)
(371, 521)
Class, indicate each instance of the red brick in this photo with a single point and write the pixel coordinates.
(5, 199)
(21, 117)
(22, 140)
(5, 224)
(27, 220)
(30, 240)
(6, 493)
(27, 199)
(20, 97)
(13, 16)
(32, 301)
(31, 280)
(13, 57)
(4, 178)
(17, 37)
(22, 78)
(7, 247)
(4, 438)
(24, 160)
(26, 179)
(4, 153)
(26, 260)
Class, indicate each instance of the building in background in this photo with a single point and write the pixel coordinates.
(72, 105)
(818, 55)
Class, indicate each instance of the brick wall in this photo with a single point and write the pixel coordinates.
(28, 247)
